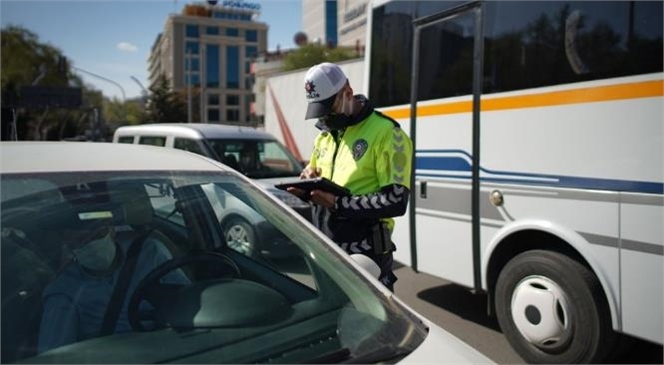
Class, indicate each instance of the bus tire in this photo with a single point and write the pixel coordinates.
(552, 309)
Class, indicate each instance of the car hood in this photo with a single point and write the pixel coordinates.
(444, 348)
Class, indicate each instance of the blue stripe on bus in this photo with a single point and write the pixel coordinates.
(444, 164)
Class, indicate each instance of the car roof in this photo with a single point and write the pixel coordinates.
(25, 157)
(199, 130)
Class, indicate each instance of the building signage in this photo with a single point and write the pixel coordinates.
(239, 4)
(355, 13)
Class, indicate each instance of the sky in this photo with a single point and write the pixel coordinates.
(112, 38)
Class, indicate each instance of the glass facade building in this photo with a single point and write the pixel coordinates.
(205, 53)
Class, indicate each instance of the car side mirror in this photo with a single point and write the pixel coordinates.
(367, 264)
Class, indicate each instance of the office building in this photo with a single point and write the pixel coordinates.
(336, 22)
(352, 20)
(206, 53)
(319, 21)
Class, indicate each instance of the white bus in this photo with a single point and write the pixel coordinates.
(538, 168)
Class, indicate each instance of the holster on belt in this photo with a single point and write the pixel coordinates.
(381, 239)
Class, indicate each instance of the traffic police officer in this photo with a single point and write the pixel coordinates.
(368, 153)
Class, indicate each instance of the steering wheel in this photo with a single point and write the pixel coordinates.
(151, 290)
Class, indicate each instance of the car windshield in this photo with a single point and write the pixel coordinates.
(158, 267)
(256, 159)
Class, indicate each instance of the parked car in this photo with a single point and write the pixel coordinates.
(256, 154)
(192, 298)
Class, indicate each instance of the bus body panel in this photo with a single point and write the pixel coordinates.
(578, 157)
(560, 175)
(602, 259)
(642, 265)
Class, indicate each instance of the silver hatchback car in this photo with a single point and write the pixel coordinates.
(113, 254)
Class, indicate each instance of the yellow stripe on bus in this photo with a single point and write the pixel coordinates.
(636, 90)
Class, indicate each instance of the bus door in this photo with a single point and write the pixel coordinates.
(445, 92)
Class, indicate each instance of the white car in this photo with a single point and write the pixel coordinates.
(112, 253)
(254, 153)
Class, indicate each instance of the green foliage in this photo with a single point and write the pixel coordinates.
(24, 58)
(27, 61)
(312, 54)
(164, 105)
(129, 112)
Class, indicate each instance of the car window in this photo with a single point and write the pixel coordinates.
(220, 273)
(188, 144)
(257, 159)
(127, 139)
(163, 202)
(153, 141)
(276, 158)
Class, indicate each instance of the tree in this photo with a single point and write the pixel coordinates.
(26, 62)
(313, 54)
(164, 105)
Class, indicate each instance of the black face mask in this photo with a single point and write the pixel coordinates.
(336, 122)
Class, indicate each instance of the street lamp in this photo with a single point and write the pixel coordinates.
(144, 90)
(105, 79)
(124, 97)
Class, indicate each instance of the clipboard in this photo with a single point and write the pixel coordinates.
(318, 183)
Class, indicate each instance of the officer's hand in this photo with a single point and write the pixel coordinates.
(310, 172)
(323, 198)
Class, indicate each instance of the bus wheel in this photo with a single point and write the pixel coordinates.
(552, 309)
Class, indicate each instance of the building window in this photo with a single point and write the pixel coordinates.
(232, 115)
(192, 31)
(213, 99)
(232, 32)
(213, 115)
(232, 100)
(232, 67)
(251, 51)
(194, 79)
(192, 48)
(251, 35)
(331, 23)
(212, 30)
(195, 64)
(212, 65)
